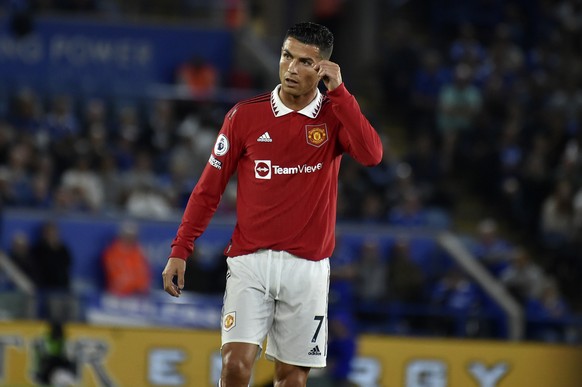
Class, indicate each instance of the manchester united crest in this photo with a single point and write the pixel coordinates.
(316, 134)
(229, 321)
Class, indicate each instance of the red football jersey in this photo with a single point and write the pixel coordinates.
(287, 163)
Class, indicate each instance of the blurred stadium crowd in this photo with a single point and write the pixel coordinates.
(485, 95)
(491, 92)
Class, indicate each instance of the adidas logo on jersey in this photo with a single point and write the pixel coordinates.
(265, 137)
(315, 351)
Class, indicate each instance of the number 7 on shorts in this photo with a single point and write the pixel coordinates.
(320, 319)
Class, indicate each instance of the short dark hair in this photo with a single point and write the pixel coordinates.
(313, 34)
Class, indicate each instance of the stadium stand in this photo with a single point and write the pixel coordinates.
(479, 105)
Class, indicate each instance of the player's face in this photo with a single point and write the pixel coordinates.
(296, 71)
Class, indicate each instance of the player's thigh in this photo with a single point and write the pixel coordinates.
(246, 314)
(299, 332)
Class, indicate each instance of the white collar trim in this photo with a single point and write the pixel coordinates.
(279, 108)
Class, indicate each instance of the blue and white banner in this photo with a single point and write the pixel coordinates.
(91, 57)
(157, 309)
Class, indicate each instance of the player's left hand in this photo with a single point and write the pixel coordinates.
(330, 73)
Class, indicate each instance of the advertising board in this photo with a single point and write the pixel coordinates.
(115, 356)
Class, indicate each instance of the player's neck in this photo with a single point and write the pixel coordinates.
(297, 102)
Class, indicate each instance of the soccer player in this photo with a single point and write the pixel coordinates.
(286, 147)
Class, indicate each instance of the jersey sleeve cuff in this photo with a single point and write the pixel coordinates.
(180, 252)
(339, 93)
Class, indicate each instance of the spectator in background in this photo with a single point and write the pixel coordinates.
(546, 313)
(343, 274)
(371, 272)
(160, 131)
(465, 47)
(407, 283)
(557, 217)
(141, 173)
(427, 171)
(206, 271)
(459, 103)
(128, 130)
(6, 191)
(431, 76)
(7, 135)
(406, 279)
(399, 61)
(567, 100)
(536, 175)
(403, 184)
(53, 365)
(511, 152)
(112, 181)
(128, 122)
(569, 15)
(409, 212)
(342, 312)
(61, 120)
(458, 298)
(146, 197)
(25, 113)
(380, 177)
(54, 261)
(570, 161)
(83, 182)
(577, 205)
(127, 271)
(373, 209)
(505, 57)
(20, 253)
(198, 75)
(16, 176)
(565, 265)
(523, 278)
(352, 188)
(554, 126)
(95, 115)
(342, 347)
(195, 135)
(97, 144)
(69, 200)
(44, 165)
(180, 178)
(41, 192)
(494, 252)
(146, 201)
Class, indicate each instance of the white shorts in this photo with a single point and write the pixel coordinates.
(281, 297)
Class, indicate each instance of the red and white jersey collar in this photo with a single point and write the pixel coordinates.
(279, 109)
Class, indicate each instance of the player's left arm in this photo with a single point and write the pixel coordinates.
(358, 137)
